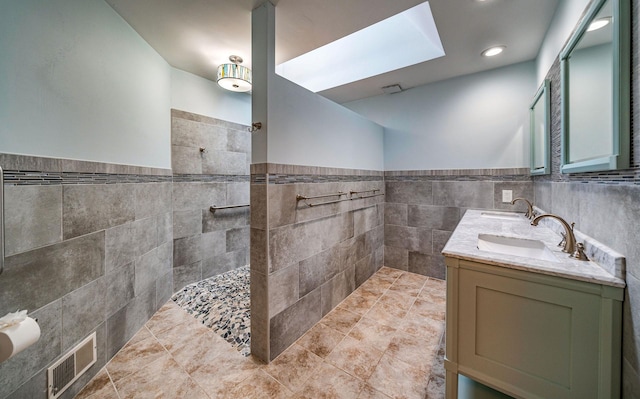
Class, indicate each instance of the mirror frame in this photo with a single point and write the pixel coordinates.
(543, 94)
(621, 96)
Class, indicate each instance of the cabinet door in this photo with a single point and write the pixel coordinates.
(530, 339)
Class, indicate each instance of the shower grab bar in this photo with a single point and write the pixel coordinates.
(368, 196)
(364, 191)
(303, 197)
(327, 202)
(343, 199)
(214, 208)
(1, 220)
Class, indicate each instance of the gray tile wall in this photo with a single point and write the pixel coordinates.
(206, 243)
(306, 259)
(422, 211)
(81, 258)
(605, 206)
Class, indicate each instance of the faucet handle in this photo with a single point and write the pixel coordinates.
(564, 239)
(579, 252)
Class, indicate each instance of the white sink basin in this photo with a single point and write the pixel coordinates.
(501, 215)
(515, 246)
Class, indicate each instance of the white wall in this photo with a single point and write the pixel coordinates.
(76, 81)
(564, 21)
(308, 129)
(301, 127)
(473, 121)
(198, 95)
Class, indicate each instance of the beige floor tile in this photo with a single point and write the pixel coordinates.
(433, 296)
(428, 309)
(376, 282)
(134, 357)
(341, 320)
(386, 314)
(357, 303)
(321, 339)
(186, 341)
(409, 284)
(167, 316)
(421, 326)
(373, 333)
(397, 299)
(398, 379)
(214, 367)
(369, 292)
(141, 335)
(197, 362)
(99, 387)
(329, 382)
(259, 385)
(435, 283)
(389, 271)
(160, 379)
(387, 278)
(369, 393)
(412, 279)
(419, 352)
(355, 357)
(294, 366)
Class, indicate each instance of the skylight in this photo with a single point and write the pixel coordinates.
(405, 39)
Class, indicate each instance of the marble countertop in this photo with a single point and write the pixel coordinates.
(463, 244)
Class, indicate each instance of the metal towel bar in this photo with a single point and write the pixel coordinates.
(303, 197)
(214, 208)
(339, 194)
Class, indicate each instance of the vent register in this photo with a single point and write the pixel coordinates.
(71, 366)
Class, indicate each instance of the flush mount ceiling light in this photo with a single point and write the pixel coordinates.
(599, 23)
(234, 77)
(492, 51)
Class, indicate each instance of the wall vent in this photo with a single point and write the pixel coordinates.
(72, 365)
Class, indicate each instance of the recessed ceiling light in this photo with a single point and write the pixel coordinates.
(491, 51)
(599, 23)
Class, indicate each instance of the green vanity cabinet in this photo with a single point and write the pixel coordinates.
(531, 335)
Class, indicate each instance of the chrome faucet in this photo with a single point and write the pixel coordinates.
(530, 213)
(575, 250)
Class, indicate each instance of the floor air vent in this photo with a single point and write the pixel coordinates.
(71, 366)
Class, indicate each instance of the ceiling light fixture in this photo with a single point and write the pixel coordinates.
(491, 51)
(234, 77)
(599, 23)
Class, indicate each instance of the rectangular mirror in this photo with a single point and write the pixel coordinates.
(540, 128)
(595, 90)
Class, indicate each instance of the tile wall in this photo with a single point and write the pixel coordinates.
(88, 248)
(307, 259)
(208, 243)
(605, 206)
(424, 207)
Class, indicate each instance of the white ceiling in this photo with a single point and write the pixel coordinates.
(198, 35)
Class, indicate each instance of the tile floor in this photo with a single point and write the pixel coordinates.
(223, 304)
(383, 341)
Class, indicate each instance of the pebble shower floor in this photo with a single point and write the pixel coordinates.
(222, 303)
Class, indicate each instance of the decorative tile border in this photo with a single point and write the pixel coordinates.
(186, 178)
(506, 174)
(284, 169)
(20, 178)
